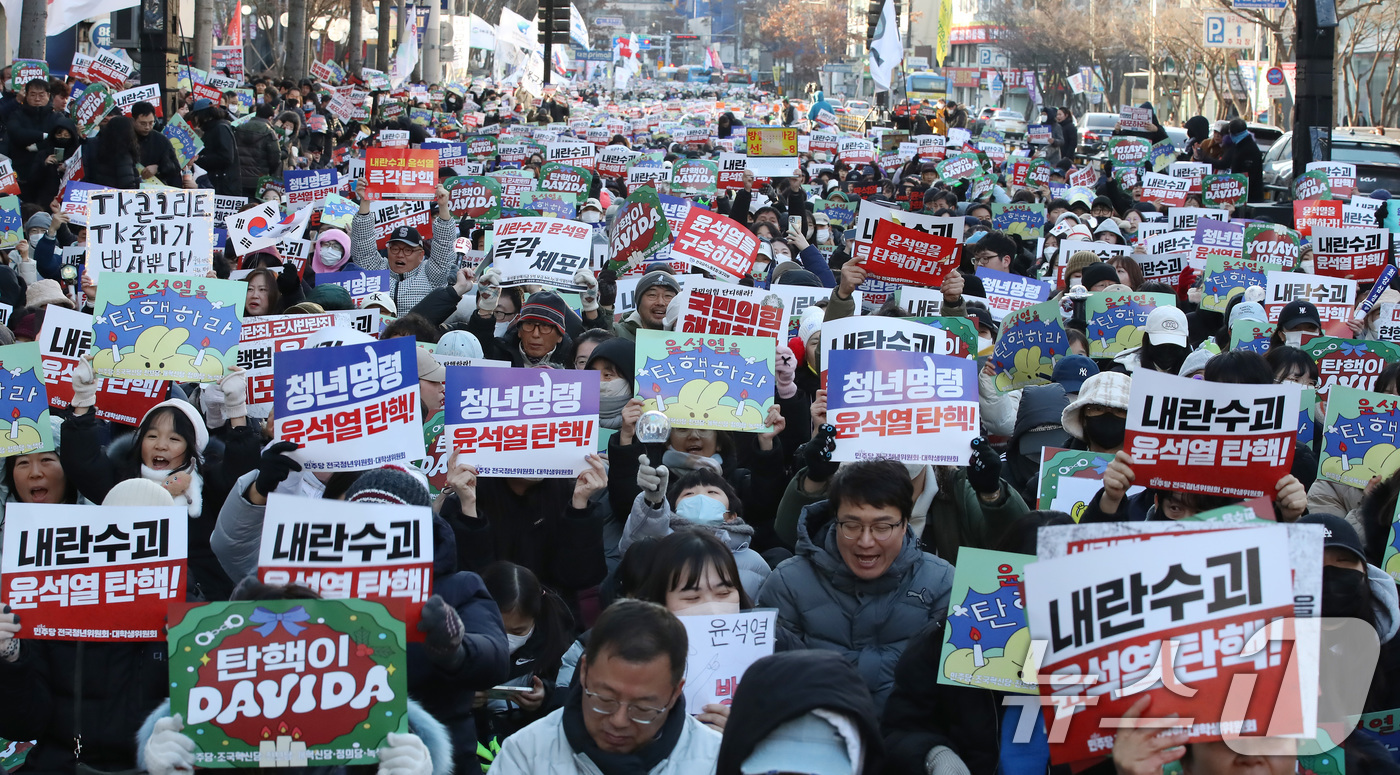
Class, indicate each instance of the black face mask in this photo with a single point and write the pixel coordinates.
(1346, 594)
(1105, 430)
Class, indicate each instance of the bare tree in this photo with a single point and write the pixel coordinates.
(357, 36)
(33, 25)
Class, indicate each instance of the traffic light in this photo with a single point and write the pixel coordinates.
(554, 22)
(872, 18)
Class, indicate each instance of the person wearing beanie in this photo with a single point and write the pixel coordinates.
(537, 338)
(464, 650)
(331, 297)
(1074, 268)
(45, 292)
(654, 293)
(1098, 276)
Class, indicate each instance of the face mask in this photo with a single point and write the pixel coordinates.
(516, 641)
(331, 253)
(1345, 593)
(35, 236)
(501, 328)
(615, 387)
(590, 216)
(823, 235)
(779, 256)
(1293, 338)
(760, 270)
(710, 608)
(701, 509)
(983, 343)
(1105, 430)
(287, 132)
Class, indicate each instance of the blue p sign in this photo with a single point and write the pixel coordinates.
(1215, 29)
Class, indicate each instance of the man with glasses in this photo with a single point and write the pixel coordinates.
(411, 277)
(994, 251)
(860, 583)
(158, 159)
(627, 713)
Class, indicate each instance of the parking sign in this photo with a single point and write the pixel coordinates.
(1226, 30)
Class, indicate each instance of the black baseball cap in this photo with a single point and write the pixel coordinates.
(1337, 532)
(408, 236)
(1296, 312)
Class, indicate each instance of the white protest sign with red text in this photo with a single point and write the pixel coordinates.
(716, 244)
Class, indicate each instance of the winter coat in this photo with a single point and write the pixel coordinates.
(111, 686)
(819, 104)
(446, 695)
(1071, 138)
(82, 452)
(220, 158)
(26, 126)
(1245, 158)
(156, 149)
(439, 266)
(42, 180)
(258, 154)
(648, 522)
(114, 171)
(870, 622)
(1040, 406)
(420, 723)
(779, 688)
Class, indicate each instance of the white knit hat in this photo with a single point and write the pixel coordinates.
(201, 433)
(810, 323)
(138, 492)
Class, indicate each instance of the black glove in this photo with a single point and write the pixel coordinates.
(984, 470)
(275, 466)
(443, 628)
(816, 454)
(607, 288)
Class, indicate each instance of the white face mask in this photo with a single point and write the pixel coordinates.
(710, 608)
(501, 328)
(591, 216)
(779, 256)
(34, 236)
(331, 253)
(823, 235)
(516, 641)
(984, 343)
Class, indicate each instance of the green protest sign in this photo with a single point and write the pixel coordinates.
(1070, 478)
(695, 177)
(474, 196)
(1115, 320)
(288, 683)
(1224, 189)
(715, 382)
(986, 638)
(640, 231)
(1360, 437)
(1031, 340)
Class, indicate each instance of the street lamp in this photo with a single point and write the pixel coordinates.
(247, 10)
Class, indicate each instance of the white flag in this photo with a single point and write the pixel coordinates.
(885, 50)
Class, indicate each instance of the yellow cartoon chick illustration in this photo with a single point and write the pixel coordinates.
(1002, 670)
(699, 406)
(155, 354)
(18, 435)
(1381, 460)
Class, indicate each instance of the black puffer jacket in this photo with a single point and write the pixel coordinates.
(258, 153)
(220, 158)
(1040, 406)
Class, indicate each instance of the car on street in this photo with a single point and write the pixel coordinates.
(1009, 122)
(1377, 161)
(1094, 131)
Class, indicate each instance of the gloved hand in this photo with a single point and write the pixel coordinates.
(984, 470)
(652, 480)
(404, 755)
(942, 761)
(787, 372)
(488, 290)
(275, 467)
(84, 383)
(169, 750)
(589, 295)
(235, 388)
(607, 288)
(816, 454)
(444, 633)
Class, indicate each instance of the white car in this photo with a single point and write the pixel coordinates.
(1009, 122)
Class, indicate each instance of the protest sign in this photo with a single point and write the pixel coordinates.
(855, 151)
(522, 422)
(162, 231)
(545, 251)
(894, 334)
(358, 283)
(1192, 171)
(1134, 119)
(1162, 257)
(716, 244)
(1225, 277)
(1341, 177)
(1358, 254)
(1030, 341)
(1185, 218)
(308, 188)
(1128, 151)
(958, 167)
(1271, 243)
(401, 173)
(9, 181)
(1251, 335)
(381, 552)
(1070, 478)
(65, 337)
(269, 334)
(24, 402)
(75, 202)
(219, 653)
(695, 177)
(870, 214)
(1224, 189)
(337, 212)
(1307, 214)
(1026, 219)
(842, 214)
(389, 216)
(718, 307)
(477, 197)
(722, 647)
(90, 108)
(183, 139)
(171, 327)
(1217, 237)
(93, 573)
(111, 67)
(1352, 363)
(11, 226)
(882, 400)
(349, 407)
(1388, 323)
(22, 71)
(578, 154)
(1212, 438)
(1360, 437)
(986, 639)
(550, 204)
(1115, 320)
(612, 161)
(1334, 297)
(908, 256)
(150, 92)
(706, 381)
(640, 231)
(1007, 292)
(1222, 585)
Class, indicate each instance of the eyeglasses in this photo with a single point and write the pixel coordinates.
(503, 316)
(535, 327)
(399, 247)
(880, 531)
(985, 257)
(606, 706)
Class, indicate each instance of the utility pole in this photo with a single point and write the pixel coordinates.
(204, 33)
(357, 36)
(294, 67)
(33, 29)
(432, 44)
(381, 49)
(159, 48)
(554, 17)
(1313, 114)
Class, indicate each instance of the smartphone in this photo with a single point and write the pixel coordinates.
(794, 224)
(58, 154)
(506, 692)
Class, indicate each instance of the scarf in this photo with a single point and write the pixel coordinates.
(610, 405)
(193, 496)
(639, 762)
(736, 535)
(541, 363)
(682, 463)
